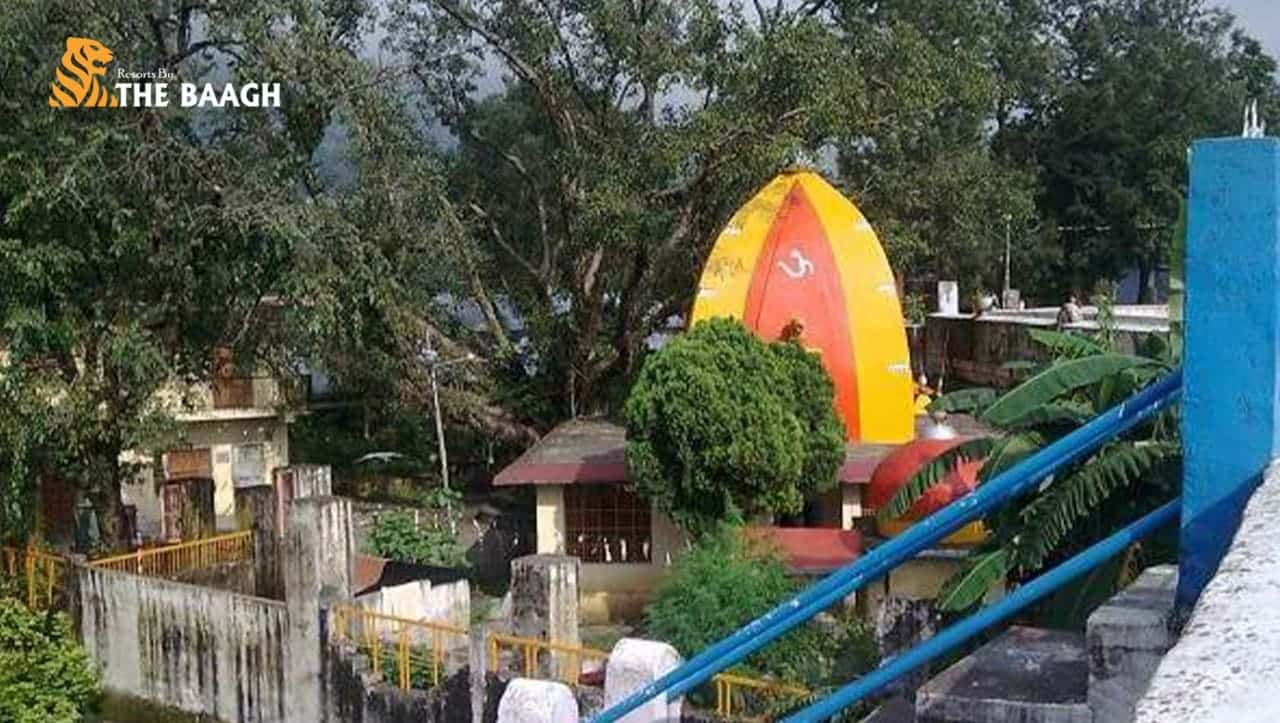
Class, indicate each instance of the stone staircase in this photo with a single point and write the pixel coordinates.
(1029, 675)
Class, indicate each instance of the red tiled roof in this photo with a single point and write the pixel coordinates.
(593, 450)
(815, 549)
(367, 571)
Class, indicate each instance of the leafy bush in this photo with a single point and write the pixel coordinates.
(723, 426)
(45, 677)
(915, 309)
(398, 536)
(729, 579)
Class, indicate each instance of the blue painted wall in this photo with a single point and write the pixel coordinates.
(1231, 361)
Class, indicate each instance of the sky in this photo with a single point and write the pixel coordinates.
(1260, 18)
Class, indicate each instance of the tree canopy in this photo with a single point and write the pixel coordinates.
(723, 426)
(1131, 84)
(533, 186)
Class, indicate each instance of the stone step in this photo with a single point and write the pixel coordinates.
(1027, 675)
(1127, 639)
(894, 710)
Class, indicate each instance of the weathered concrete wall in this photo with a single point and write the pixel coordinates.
(196, 649)
(448, 603)
(900, 624)
(257, 508)
(544, 593)
(317, 569)
(1226, 664)
(237, 577)
(309, 480)
(353, 694)
(976, 350)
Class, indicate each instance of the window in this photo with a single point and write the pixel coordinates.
(607, 523)
(188, 463)
(249, 465)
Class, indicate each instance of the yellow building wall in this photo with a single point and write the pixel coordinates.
(549, 519)
(607, 592)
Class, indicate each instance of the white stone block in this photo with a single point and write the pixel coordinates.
(634, 663)
(949, 297)
(537, 701)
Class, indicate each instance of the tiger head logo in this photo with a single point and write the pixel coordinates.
(76, 82)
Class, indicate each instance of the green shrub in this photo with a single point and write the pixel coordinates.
(45, 676)
(729, 579)
(915, 309)
(396, 536)
(722, 426)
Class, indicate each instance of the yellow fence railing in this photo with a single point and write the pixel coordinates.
(183, 557)
(38, 575)
(566, 660)
(733, 692)
(407, 653)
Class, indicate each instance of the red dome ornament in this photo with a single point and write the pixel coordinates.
(895, 470)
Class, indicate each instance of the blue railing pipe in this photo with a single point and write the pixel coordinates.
(920, 536)
(1015, 601)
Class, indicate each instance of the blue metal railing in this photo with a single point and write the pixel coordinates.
(1024, 595)
(920, 536)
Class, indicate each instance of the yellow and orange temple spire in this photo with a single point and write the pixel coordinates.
(801, 253)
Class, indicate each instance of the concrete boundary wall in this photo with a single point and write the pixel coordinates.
(1226, 665)
(197, 649)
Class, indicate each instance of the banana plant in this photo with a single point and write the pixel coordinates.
(1129, 475)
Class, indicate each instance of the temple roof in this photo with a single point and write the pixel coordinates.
(593, 450)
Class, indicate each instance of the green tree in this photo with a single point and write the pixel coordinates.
(1124, 479)
(724, 426)
(941, 197)
(134, 242)
(1135, 82)
(601, 146)
(45, 676)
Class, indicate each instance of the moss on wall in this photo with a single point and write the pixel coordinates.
(117, 708)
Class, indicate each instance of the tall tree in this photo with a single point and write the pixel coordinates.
(602, 144)
(133, 242)
(941, 199)
(1137, 81)
(618, 138)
